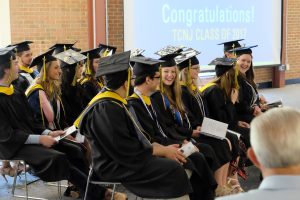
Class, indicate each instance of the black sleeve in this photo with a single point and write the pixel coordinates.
(11, 139)
(21, 84)
(191, 108)
(110, 129)
(221, 108)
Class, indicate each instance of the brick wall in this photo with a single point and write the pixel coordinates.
(46, 22)
(116, 24)
(293, 39)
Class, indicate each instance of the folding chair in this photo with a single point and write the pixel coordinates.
(26, 185)
(89, 181)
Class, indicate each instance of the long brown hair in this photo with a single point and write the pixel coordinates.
(227, 82)
(173, 93)
(51, 87)
(190, 83)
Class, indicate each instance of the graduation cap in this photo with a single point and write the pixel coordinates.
(106, 50)
(231, 44)
(21, 46)
(60, 47)
(223, 65)
(91, 54)
(70, 57)
(242, 50)
(113, 64)
(7, 54)
(115, 70)
(145, 65)
(168, 54)
(187, 58)
(41, 60)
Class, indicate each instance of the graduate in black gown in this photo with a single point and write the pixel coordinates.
(89, 85)
(120, 151)
(26, 72)
(70, 86)
(248, 105)
(221, 95)
(227, 150)
(147, 77)
(23, 138)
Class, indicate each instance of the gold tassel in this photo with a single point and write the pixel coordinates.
(44, 69)
(128, 82)
(65, 48)
(75, 78)
(88, 70)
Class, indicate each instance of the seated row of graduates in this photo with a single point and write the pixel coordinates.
(174, 119)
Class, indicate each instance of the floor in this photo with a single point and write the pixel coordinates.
(288, 94)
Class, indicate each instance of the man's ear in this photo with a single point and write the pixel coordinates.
(253, 158)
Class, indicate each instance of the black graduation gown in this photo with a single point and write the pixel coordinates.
(202, 179)
(194, 112)
(119, 155)
(87, 90)
(247, 97)
(173, 131)
(22, 83)
(71, 101)
(222, 109)
(62, 162)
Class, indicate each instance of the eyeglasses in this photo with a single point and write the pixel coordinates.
(158, 77)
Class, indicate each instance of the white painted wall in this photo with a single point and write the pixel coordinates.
(5, 31)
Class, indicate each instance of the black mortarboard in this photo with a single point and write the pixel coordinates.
(21, 46)
(222, 65)
(168, 54)
(106, 50)
(187, 58)
(113, 64)
(7, 54)
(231, 44)
(42, 58)
(243, 50)
(92, 53)
(145, 66)
(60, 47)
(69, 57)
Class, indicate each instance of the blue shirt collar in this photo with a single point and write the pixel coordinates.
(280, 182)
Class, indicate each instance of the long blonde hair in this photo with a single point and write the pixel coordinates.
(174, 92)
(51, 87)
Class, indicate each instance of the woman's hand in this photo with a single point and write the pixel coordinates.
(243, 124)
